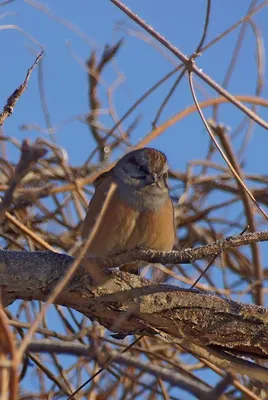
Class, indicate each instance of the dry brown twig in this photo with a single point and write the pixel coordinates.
(230, 160)
(14, 97)
(66, 277)
(94, 73)
(30, 154)
(8, 361)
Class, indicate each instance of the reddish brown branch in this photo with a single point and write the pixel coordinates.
(30, 154)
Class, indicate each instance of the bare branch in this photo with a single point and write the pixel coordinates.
(189, 64)
(205, 325)
(176, 379)
(185, 256)
(12, 100)
(30, 154)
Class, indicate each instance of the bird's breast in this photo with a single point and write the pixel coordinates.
(130, 220)
(147, 199)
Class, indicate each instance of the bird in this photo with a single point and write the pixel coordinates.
(140, 213)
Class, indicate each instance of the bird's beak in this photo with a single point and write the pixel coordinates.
(159, 181)
(158, 184)
(154, 179)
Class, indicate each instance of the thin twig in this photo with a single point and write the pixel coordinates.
(109, 360)
(191, 67)
(30, 154)
(221, 151)
(8, 351)
(12, 100)
(69, 273)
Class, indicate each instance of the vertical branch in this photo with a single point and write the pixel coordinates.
(94, 73)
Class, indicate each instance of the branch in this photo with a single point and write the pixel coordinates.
(203, 324)
(94, 72)
(60, 347)
(185, 256)
(188, 62)
(12, 100)
(29, 156)
(175, 378)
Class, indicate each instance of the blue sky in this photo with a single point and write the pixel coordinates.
(65, 78)
(75, 28)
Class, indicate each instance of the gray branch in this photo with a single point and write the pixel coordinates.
(206, 325)
(188, 384)
(186, 256)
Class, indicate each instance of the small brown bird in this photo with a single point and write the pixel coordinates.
(140, 212)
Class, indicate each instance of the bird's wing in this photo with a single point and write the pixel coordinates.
(117, 224)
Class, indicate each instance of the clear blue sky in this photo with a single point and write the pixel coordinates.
(83, 25)
(66, 81)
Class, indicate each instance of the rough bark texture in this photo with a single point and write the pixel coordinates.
(128, 304)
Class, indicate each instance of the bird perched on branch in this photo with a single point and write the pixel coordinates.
(140, 211)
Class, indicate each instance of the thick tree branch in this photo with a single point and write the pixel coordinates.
(203, 324)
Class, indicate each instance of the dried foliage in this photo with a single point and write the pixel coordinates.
(176, 339)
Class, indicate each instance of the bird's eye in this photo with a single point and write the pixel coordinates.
(141, 168)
